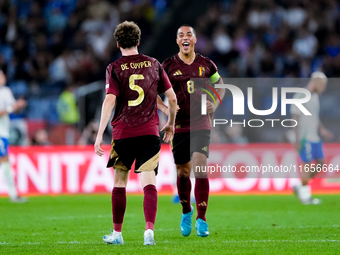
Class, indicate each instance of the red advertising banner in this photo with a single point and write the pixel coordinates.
(232, 169)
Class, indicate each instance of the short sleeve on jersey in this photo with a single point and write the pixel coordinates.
(6, 98)
(10, 97)
(111, 81)
(214, 75)
(165, 65)
(164, 83)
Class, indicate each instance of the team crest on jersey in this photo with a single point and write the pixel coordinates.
(201, 71)
(178, 72)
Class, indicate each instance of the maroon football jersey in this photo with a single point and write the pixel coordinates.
(136, 80)
(189, 102)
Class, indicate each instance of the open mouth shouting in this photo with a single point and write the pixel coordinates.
(185, 45)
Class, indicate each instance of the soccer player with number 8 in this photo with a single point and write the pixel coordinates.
(190, 146)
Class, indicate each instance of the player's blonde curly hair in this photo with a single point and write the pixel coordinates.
(127, 34)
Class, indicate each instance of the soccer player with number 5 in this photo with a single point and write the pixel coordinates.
(190, 146)
(132, 85)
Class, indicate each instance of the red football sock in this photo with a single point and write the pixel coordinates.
(184, 190)
(150, 205)
(202, 196)
(118, 200)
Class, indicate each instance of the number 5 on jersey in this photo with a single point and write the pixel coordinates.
(137, 88)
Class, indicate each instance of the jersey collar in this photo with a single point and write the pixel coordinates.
(134, 55)
(180, 60)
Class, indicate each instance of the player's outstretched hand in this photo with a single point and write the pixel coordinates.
(99, 151)
(211, 107)
(169, 132)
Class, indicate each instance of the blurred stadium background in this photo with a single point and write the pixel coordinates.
(55, 46)
(55, 53)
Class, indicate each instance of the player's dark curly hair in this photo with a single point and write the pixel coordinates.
(127, 34)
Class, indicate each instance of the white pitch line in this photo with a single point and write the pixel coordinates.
(167, 241)
(38, 243)
(270, 226)
(77, 217)
(281, 241)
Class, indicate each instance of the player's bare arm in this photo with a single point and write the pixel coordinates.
(19, 105)
(325, 133)
(108, 105)
(211, 107)
(163, 108)
(5, 112)
(169, 127)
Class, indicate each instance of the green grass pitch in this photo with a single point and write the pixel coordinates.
(238, 225)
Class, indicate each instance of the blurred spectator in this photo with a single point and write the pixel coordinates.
(64, 134)
(241, 41)
(18, 129)
(39, 67)
(333, 46)
(222, 41)
(60, 67)
(56, 21)
(306, 44)
(267, 65)
(291, 65)
(282, 43)
(295, 15)
(35, 22)
(48, 44)
(203, 45)
(56, 44)
(40, 43)
(99, 42)
(235, 134)
(20, 50)
(71, 29)
(3, 65)
(88, 136)
(67, 107)
(12, 26)
(259, 16)
(41, 138)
